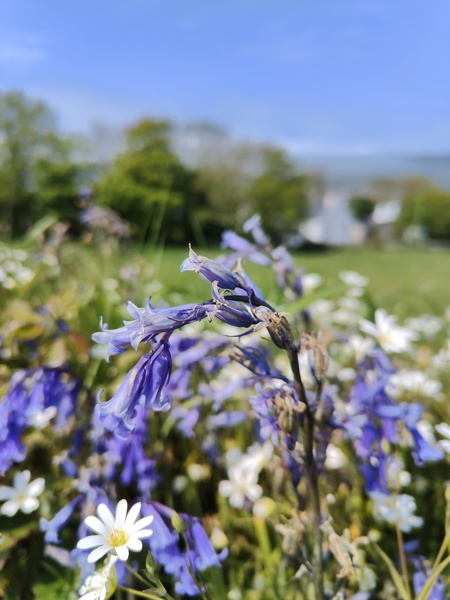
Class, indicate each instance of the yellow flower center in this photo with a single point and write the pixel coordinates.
(118, 537)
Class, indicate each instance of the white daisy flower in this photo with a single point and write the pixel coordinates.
(101, 584)
(22, 496)
(390, 336)
(117, 534)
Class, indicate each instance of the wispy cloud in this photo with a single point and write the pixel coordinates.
(20, 50)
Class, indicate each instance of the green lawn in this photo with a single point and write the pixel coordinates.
(404, 281)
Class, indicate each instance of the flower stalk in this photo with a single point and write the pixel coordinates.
(311, 476)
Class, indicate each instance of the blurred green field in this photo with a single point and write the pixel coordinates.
(404, 281)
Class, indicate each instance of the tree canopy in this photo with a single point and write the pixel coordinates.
(37, 173)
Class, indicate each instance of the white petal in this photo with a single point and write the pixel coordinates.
(98, 526)
(90, 541)
(226, 488)
(36, 487)
(21, 480)
(29, 505)
(98, 553)
(10, 508)
(106, 516)
(132, 515)
(134, 544)
(6, 492)
(142, 523)
(121, 513)
(122, 552)
(254, 492)
(89, 596)
(143, 533)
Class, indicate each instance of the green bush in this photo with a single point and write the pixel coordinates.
(430, 210)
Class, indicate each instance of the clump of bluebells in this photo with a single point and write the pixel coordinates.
(279, 451)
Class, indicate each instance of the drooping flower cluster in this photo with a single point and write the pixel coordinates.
(233, 302)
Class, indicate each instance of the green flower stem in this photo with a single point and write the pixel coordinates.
(401, 551)
(264, 543)
(428, 587)
(442, 549)
(146, 582)
(137, 593)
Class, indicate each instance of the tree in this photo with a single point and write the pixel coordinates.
(30, 148)
(429, 210)
(58, 179)
(279, 194)
(149, 187)
(362, 207)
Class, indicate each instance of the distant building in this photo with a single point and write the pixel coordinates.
(383, 220)
(332, 223)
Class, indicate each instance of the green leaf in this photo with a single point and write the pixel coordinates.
(396, 577)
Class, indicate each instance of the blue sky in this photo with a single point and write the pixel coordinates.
(316, 75)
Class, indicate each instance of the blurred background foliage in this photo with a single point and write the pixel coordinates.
(166, 196)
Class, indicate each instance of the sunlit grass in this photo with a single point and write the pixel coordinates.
(403, 281)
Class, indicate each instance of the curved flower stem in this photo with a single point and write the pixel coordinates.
(311, 476)
(137, 593)
(442, 549)
(401, 551)
(190, 566)
(146, 582)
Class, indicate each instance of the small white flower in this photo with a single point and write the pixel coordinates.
(413, 382)
(101, 584)
(444, 430)
(353, 279)
(41, 418)
(390, 336)
(243, 472)
(439, 362)
(426, 325)
(321, 312)
(23, 496)
(310, 281)
(335, 458)
(117, 534)
(396, 509)
(358, 347)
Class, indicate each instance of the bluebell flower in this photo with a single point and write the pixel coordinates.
(165, 547)
(378, 418)
(52, 528)
(126, 459)
(422, 571)
(253, 226)
(148, 382)
(206, 555)
(230, 418)
(255, 360)
(148, 322)
(243, 248)
(231, 311)
(186, 419)
(213, 271)
(145, 385)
